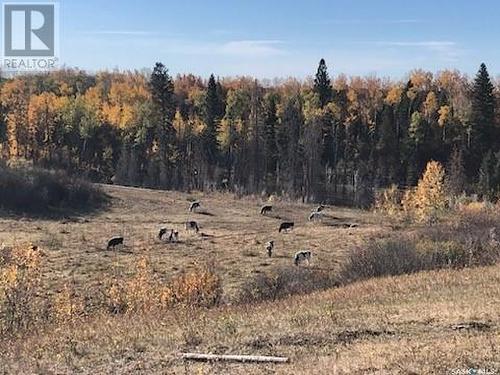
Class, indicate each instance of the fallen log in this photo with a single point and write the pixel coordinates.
(234, 358)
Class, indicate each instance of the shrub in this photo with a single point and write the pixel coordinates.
(35, 190)
(200, 287)
(469, 242)
(20, 288)
(381, 258)
(440, 254)
(135, 294)
(67, 306)
(142, 292)
(388, 201)
(284, 282)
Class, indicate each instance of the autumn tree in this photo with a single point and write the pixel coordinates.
(429, 198)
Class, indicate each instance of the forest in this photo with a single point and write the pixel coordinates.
(328, 138)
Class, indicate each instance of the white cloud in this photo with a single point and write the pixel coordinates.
(257, 48)
(446, 50)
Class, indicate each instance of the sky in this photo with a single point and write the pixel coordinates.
(281, 38)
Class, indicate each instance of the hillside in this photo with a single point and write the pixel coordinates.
(232, 236)
(426, 323)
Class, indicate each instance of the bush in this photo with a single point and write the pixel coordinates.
(20, 288)
(35, 190)
(381, 258)
(388, 202)
(470, 241)
(201, 287)
(143, 292)
(284, 282)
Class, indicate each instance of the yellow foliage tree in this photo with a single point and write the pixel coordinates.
(429, 198)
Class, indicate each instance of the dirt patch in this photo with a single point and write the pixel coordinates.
(472, 326)
(348, 336)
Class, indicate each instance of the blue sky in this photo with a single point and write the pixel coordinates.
(279, 38)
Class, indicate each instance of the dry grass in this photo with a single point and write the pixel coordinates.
(429, 322)
(236, 234)
(426, 323)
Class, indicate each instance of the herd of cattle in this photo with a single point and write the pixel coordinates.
(172, 235)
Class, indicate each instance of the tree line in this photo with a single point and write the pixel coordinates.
(323, 139)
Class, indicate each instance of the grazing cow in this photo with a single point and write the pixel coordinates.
(115, 241)
(301, 256)
(162, 232)
(192, 225)
(265, 209)
(320, 208)
(269, 248)
(286, 226)
(194, 206)
(174, 236)
(315, 215)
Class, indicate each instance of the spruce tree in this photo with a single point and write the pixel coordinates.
(213, 112)
(482, 119)
(322, 84)
(162, 94)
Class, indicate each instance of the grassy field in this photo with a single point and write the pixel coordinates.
(430, 322)
(232, 235)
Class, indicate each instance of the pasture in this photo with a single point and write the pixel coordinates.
(232, 236)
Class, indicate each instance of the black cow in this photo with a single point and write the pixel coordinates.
(265, 209)
(162, 232)
(115, 241)
(194, 206)
(286, 226)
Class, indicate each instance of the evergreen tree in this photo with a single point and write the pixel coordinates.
(322, 84)
(162, 93)
(163, 144)
(213, 112)
(482, 118)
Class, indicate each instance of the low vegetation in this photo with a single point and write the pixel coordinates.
(384, 325)
(218, 291)
(26, 303)
(39, 191)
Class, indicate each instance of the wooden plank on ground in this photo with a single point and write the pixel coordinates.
(234, 358)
